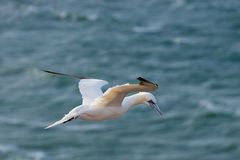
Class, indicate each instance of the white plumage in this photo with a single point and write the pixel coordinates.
(97, 105)
(91, 89)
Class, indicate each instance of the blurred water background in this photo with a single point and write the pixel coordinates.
(191, 48)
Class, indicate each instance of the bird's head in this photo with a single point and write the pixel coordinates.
(150, 100)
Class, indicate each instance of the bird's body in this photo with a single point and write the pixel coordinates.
(111, 104)
(99, 113)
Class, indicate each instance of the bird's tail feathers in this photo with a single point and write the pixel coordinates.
(66, 118)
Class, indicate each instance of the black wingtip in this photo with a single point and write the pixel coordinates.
(142, 79)
(63, 74)
(51, 72)
(147, 81)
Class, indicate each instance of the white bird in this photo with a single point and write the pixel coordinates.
(111, 104)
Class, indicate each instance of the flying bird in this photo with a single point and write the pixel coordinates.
(114, 102)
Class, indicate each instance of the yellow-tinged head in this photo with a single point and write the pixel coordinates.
(150, 100)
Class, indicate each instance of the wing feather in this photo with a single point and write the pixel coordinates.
(91, 89)
(115, 95)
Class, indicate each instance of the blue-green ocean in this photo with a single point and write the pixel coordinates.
(191, 48)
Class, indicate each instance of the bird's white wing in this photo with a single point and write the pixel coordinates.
(91, 89)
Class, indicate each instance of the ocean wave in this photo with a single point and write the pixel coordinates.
(4, 148)
(219, 108)
(12, 151)
(36, 155)
(178, 4)
(208, 105)
(21, 122)
(65, 15)
(13, 11)
(154, 27)
(183, 40)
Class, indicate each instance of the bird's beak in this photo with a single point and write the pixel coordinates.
(155, 107)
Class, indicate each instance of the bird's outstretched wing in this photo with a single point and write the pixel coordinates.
(115, 95)
(91, 89)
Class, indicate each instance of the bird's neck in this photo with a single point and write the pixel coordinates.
(131, 101)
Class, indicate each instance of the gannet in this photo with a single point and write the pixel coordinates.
(114, 102)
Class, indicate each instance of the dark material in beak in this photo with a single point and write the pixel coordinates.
(155, 107)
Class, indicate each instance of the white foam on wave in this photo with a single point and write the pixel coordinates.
(36, 155)
(4, 148)
(208, 105)
(73, 16)
(148, 28)
(222, 107)
(183, 40)
(92, 17)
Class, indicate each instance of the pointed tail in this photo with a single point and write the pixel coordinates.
(65, 119)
